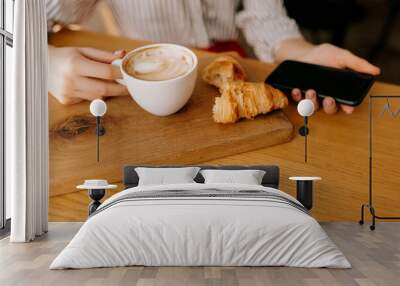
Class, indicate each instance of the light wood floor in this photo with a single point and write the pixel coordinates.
(375, 257)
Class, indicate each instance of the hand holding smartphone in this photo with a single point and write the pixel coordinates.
(345, 86)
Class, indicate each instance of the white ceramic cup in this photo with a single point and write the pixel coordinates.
(160, 97)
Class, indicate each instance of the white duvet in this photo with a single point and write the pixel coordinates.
(200, 231)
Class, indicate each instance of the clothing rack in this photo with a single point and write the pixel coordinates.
(369, 205)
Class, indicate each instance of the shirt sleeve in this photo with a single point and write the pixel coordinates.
(265, 24)
(66, 12)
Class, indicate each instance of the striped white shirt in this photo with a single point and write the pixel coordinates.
(195, 23)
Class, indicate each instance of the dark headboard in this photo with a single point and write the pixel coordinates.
(271, 177)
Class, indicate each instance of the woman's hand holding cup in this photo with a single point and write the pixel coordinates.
(77, 73)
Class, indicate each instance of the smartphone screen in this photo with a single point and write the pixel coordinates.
(344, 86)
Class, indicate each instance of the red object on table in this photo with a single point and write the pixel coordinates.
(226, 46)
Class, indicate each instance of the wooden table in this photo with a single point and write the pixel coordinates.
(338, 152)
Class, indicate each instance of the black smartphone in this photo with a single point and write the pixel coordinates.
(346, 87)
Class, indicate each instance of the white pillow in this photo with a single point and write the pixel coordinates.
(164, 176)
(248, 177)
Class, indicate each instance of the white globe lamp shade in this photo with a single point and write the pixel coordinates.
(305, 107)
(98, 107)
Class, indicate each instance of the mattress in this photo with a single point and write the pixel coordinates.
(201, 225)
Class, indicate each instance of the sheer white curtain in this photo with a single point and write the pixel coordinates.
(27, 124)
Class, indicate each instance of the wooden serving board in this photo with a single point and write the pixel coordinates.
(134, 136)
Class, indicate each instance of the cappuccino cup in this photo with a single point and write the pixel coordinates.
(160, 77)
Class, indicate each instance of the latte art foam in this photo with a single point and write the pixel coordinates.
(159, 63)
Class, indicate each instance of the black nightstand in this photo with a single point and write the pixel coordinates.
(305, 190)
(96, 190)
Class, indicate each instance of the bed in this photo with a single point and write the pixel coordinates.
(201, 224)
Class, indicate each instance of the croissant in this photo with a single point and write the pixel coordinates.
(241, 99)
(225, 110)
(222, 70)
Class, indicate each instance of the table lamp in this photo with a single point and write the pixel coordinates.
(98, 108)
(305, 108)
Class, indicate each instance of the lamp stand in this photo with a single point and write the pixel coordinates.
(100, 131)
(304, 131)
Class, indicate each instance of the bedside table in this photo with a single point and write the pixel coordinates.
(305, 190)
(96, 190)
